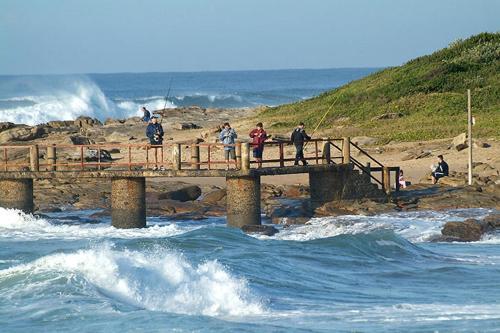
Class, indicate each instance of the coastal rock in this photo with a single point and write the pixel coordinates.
(364, 140)
(460, 142)
(5, 125)
(188, 193)
(24, 133)
(60, 123)
(214, 197)
(185, 126)
(112, 121)
(266, 230)
(452, 181)
(80, 140)
(290, 220)
(493, 220)
(470, 230)
(84, 122)
(390, 115)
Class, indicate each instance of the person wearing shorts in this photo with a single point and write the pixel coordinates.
(227, 137)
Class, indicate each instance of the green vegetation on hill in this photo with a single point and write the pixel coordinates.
(428, 93)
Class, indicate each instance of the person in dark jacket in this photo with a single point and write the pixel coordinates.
(258, 136)
(146, 115)
(441, 170)
(154, 132)
(298, 138)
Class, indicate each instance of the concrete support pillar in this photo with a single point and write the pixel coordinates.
(51, 158)
(128, 202)
(17, 193)
(245, 156)
(243, 201)
(346, 150)
(326, 152)
(176, 156)
(34, 162)
(386, 179)
(326, 186)
(195, 157)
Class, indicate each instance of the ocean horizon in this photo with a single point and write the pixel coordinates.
(34, 99)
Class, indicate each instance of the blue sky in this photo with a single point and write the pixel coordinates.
(90, 36)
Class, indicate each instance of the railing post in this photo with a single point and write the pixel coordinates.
(130, 157)
(238, 155)
(326, 152)
(398, 185)
(176, 156)
(51, 157)
(386, 179)
(195, 157)
(282, 155)
(346, 150)
(5, 158)
(34, 162)
(245, 156)
(81, 157)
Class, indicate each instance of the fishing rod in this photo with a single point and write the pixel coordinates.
(167, 96)
(324, 117)
(168, 92)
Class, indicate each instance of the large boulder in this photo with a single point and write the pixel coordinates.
(5, 125)
(22, 133)
(188, 193)
(185, 126)
(266, 230)
(470, 230)
(85, 122)
(364, 140)
(460, 142)
(214, 197)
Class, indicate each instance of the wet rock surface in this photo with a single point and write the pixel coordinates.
(266, 230)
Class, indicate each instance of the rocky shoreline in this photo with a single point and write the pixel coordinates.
(282, 204)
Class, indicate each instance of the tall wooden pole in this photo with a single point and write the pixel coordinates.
(469, 120)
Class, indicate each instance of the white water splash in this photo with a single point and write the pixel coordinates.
(16, 225)
(163, 281)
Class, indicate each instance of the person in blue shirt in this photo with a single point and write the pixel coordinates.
(146, 115)
(228, 136)
(155, 133)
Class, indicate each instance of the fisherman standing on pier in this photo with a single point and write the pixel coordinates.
(227, 137)
(258, 136)
(298, 138)
(154, 132)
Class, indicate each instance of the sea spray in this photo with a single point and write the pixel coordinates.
(16, 225)
(162, 280)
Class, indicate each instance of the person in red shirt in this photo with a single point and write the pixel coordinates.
(258, 136)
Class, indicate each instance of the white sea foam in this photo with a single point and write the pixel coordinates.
(159, 281)
(406, 313)
(15, 225)
(415, 226)
(68, 99)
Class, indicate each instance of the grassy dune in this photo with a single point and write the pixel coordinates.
(429, 94)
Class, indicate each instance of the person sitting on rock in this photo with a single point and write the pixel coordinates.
(227, 137)
(402, 181)
(298, 137)
(258, 136)
(154, 132)
(441, 170)
(146, 115)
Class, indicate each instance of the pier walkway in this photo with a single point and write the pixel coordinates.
(331, 163)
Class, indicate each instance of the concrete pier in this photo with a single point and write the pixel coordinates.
(326, 186)
(128, 202)
(17, 193)
(243, 201)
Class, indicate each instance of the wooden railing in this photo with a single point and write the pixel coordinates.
(181, 156)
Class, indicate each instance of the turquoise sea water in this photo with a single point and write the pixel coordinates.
(68, 273)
